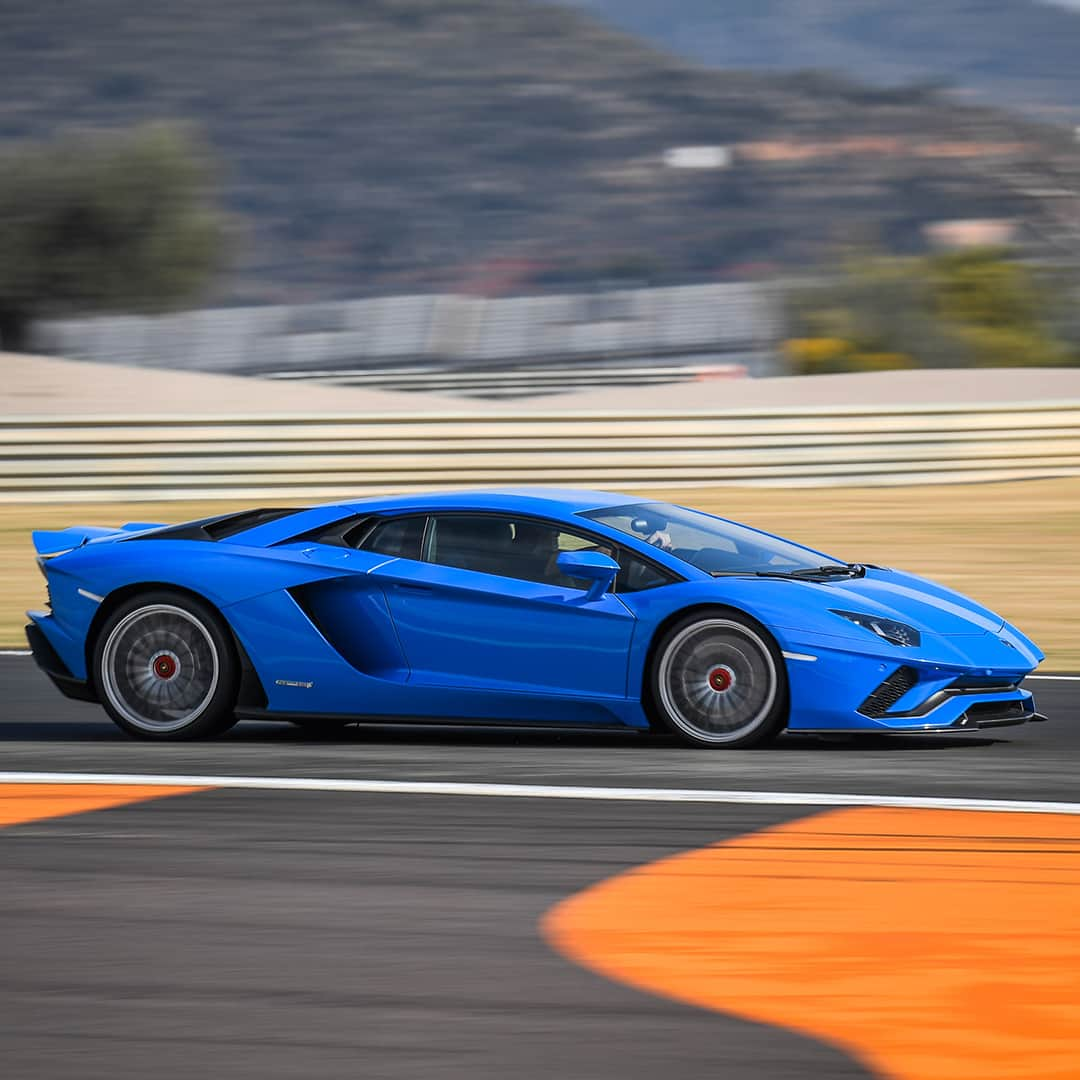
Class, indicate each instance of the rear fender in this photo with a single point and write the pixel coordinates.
(90, 579)
(224, 574)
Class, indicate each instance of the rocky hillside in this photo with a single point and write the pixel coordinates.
(1017, 53)
(375, 145)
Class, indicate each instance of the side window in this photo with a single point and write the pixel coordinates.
(536, 548)
(540, 546)
(508, 547)
(528, 550)
(636, 575)
(398, 537)
(478, 542)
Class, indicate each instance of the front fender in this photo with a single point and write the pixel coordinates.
(797, 615)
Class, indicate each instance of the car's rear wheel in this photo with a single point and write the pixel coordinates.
(717, 679)
(165, 667)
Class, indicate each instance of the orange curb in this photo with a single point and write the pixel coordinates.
(20, 803)
(930, 945)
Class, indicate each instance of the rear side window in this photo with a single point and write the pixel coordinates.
(347, 532)
(397, 537)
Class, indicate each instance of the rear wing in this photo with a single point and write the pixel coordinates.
(49, 544)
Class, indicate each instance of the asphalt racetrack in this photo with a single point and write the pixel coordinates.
(332, 933)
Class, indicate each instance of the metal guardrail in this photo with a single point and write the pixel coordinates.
(278, 457)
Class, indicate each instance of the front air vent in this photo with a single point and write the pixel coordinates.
(889, 692)
(996, 712)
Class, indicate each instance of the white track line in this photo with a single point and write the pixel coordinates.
(15, 652)
(1056, 678)
(545, 791)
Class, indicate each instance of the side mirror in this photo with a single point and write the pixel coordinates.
(592, 566)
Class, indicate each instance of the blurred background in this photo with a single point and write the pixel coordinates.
(809, 264)
(282, 251)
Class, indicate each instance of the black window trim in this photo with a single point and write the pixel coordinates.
(379, 519)
(370, 522)
(673, 578)
(333, 533)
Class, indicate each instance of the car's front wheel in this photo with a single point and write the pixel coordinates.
(165, 667)
(717, 679)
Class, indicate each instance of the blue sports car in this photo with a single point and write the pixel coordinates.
(527, 606)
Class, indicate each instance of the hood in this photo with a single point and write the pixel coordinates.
(925, 605)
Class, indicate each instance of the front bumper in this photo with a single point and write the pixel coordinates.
(910, 695)
(998, 714)
(837, 690)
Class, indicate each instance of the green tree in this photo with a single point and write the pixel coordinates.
(1000, 310)
(116, 222)
(972, 308)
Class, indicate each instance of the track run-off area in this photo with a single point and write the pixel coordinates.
(423, 901)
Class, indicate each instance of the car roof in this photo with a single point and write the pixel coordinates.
(536, 500)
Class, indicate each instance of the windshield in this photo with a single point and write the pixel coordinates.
(709, 543)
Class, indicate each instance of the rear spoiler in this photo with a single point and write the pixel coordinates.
(49, 544)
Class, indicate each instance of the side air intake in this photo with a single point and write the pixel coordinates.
(889, 692)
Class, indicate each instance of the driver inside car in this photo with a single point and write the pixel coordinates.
(661, 539)
(654, 530)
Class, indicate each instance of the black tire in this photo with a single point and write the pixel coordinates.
(717, 679)
(165, 667)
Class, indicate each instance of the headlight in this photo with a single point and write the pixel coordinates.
(896, 633)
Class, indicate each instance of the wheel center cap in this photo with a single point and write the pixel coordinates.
(165, 666)
(721, 678)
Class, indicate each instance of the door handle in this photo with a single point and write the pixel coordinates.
(408, 586)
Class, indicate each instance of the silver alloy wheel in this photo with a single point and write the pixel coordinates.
(717, 680)
(160, 668)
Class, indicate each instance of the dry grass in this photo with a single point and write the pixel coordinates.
(1012, 546)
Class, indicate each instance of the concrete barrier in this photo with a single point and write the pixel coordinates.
(44, 459)
(444, 331)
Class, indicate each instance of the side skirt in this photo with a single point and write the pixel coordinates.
(429, 721)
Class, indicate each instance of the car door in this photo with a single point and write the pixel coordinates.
(485, 606)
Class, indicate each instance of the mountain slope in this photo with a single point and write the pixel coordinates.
(416, 144)
(1019, 53)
